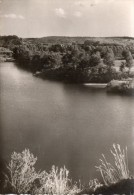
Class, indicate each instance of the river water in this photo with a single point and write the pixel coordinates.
(62, 124)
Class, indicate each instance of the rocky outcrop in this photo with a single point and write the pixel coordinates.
(124, 86)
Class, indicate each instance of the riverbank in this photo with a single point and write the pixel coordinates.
(89, 75)
(122, 86)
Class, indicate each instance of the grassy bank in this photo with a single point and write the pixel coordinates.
(21, 176)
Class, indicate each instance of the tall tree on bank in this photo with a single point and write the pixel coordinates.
(129, 59)
(71, 58)
(109, 58)
(95, 59)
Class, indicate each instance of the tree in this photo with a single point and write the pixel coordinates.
(72, 58)
(57, 48)
(128, 57)
(84, 60)
(51, 60)
(95, 59)
(122, 66)
(109, 58)
(22, 54)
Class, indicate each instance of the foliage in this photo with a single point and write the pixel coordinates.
(57, 48)
(65, 59)
(51, 60)
(113, 174)
(109, 58)
(128, 57)
(95, 59)
(22, 177)
(125, 86)
(122, 66)
(22, 173)
(57, 182)
(94, 184)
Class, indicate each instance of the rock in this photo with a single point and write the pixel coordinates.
(124, 86)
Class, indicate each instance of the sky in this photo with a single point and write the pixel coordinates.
(39, 18)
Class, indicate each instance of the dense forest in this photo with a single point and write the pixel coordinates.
(73, 59)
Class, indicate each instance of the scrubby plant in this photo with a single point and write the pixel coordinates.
(23, 178)
(94, 184)
(129, 58)
(114, 173)
(57, 182)
(22, 174)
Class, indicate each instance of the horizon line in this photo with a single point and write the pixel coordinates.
(68, 36)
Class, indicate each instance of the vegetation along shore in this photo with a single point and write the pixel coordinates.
(73, 59)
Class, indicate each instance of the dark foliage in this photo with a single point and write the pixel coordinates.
(71, 59)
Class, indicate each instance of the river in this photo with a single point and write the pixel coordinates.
(62, 124)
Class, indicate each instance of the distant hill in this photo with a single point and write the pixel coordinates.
(10, 41)
(117, 44)
(125, 41)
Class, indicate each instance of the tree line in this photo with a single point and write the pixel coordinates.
(72, 62)
(91, 61)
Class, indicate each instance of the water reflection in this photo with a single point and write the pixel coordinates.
(62, 124)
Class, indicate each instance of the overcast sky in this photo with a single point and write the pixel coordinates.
(38, 18)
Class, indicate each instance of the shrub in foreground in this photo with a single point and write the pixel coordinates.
(116, 178)
(56, 182)
(21, 172)
(114, 173)
(22, 177)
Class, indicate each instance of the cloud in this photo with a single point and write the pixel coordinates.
(21, 17)
(80, 3)
(60, 12)
(77, 14)
(91, 3)
(86, 3)
(95, 2)
(12, 16)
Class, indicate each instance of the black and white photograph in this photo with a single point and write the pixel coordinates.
(67, 97)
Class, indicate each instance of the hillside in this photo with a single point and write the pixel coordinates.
(117, 44)
(122, 41)
(125, 41)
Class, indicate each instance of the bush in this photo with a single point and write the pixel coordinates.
(22, 177)
(124, 86)
(113, 174)
(22, 173)
(57, 182)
